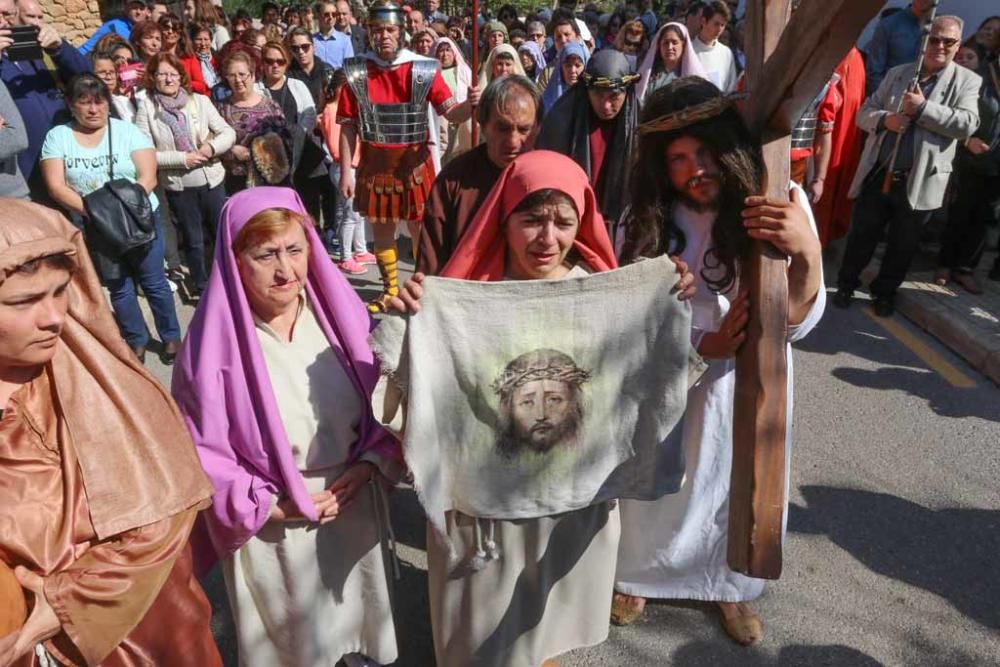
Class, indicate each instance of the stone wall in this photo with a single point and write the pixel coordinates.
(75, 20)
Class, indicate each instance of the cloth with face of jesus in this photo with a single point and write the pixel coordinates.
(525, 399)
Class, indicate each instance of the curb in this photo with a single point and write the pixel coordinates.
(957, 334)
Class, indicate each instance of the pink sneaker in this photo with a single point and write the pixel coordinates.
(365, 258)
(351, 266)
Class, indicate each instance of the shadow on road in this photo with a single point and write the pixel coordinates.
(943, 399)
(950, 552)
(852, 332)
(408, 519)
(708, 653)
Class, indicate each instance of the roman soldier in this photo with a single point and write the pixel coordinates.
(390, 95)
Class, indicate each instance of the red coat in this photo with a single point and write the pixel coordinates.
(833, 211)
(193, 68)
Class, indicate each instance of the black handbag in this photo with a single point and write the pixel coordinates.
(119, 212)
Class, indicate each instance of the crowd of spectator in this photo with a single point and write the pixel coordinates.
(209, 105)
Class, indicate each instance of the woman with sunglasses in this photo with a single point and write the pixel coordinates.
(176, 42)
(305, 66)
(632, 42)
(310, 164)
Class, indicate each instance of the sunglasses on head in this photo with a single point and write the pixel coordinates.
(274, 61)
(946, 42)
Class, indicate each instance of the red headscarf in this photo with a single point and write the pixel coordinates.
(481, 253)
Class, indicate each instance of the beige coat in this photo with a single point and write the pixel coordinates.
(951, 115)
(206, 126)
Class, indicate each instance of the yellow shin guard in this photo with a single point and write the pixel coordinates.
(389, 270)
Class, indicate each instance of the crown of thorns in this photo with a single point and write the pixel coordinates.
(691, 115)
(616, 83)
(512, 379)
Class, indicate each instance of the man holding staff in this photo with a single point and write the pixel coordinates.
(928, 121)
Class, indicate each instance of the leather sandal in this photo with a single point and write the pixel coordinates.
(744, 626)
(625, 609)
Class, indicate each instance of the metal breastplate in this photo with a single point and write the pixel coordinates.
(804, 131)
(404, 123)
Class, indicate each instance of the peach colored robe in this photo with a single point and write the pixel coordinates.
(128, 600)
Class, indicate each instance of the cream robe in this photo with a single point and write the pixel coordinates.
(675, 547)
(549, 591)
(305, 596)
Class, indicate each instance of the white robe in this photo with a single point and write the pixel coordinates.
(305, 596)
(719, 64)
(675, 547)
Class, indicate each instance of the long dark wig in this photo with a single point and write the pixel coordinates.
(649, 228)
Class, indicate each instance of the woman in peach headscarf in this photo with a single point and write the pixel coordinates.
(99, 480)
(540, 222)
(669, 57)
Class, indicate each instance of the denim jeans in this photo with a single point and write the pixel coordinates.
(144, 266)
(196, 211)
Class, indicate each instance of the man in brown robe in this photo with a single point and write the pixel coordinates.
(99, 480)
(510, 113)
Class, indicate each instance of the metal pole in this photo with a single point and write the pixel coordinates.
(914, 83)
(475, 66)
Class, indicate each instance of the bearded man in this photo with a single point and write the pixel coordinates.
(541, 403)
(693, 188)
(594, 123)
(387, 102)
(510, 113)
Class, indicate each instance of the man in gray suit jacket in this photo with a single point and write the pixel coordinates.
(940, 112)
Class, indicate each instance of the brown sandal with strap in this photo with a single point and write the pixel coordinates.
(741, 623)
(625, 609)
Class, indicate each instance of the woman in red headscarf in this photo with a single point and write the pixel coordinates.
(540, 222)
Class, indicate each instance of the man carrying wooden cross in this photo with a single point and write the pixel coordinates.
(693, 188)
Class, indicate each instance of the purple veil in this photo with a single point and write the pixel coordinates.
(224, 392)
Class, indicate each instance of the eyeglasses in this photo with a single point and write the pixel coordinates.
(170, 28)
(946, 42)
(168, 76)
(274, 61)
(238, 76)
(633, 45)
(301, 48)
(329, 15)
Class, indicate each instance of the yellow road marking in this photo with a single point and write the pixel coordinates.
(935, 361)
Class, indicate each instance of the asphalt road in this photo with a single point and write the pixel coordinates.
(893, 532)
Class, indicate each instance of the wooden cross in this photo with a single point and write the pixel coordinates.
(790, 57)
